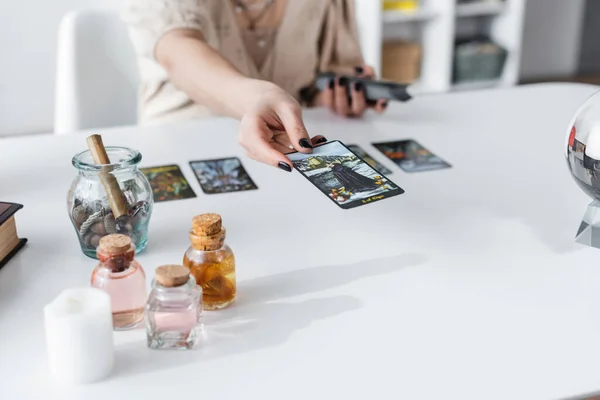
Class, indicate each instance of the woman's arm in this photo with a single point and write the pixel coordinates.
(340, 52)
(208, 78)
(271, 118)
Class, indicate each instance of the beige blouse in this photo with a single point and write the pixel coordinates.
(314, 36)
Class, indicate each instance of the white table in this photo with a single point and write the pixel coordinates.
(469, 286)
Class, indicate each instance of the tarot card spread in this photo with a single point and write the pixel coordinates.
(370, 160)
(411, 156)
(222, 176)
(168, 183)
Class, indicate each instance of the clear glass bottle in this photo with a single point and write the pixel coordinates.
(174, 309)
(123, 278)
(211, 262)
(88, 205)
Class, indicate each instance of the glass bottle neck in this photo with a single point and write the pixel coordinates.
(174, 293)
(202, 248)
(116, 262)
(207, 243)
(116, 171)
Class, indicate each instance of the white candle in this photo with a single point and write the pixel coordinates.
(79, 335)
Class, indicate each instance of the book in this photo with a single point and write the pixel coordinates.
(10, 243)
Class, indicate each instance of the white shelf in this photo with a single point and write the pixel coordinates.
(422, 14)
(475, 85)
(480, 8)
(435, 27)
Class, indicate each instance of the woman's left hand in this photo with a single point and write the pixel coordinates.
(335, 96)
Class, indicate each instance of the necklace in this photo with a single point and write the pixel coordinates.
(262, 9)
(257, 6)
(260, 36)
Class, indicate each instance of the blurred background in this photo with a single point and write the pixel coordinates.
(438, 45)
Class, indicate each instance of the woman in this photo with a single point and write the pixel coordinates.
(255, 60)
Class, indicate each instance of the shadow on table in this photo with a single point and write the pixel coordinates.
(592, 396)
(261, 317)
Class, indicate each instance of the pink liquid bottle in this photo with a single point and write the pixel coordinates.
(174, 309)
(123, 278)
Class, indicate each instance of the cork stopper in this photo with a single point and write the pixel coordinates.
(208, 243)
(206, 224)
(115, 244)
(172, 275)
(208, 233)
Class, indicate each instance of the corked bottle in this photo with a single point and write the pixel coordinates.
(174, 309)
(211, 262)
(123, 278)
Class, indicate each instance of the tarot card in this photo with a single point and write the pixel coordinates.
(168, 183)
(222, 175)
(411, 156)
(356, 149)
(344, 177)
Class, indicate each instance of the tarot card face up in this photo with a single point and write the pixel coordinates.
(370, 160)
(222, 175)
(411, 156)
(168, 183)
(343, 176)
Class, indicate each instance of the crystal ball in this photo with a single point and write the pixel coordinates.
(583, 147)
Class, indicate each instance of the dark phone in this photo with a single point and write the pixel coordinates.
(374, 90)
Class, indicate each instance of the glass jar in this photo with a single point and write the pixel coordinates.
(174, 309)
(88, 205)
(211, 262)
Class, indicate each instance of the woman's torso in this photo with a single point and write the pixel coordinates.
(308, 36)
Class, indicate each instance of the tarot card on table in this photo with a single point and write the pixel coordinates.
(368, 159)
(222, 176)
(343, 176)
(411, 156)
(168, 183)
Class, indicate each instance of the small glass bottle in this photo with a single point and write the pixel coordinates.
(123, 278)
(174, 309)
(211, 261)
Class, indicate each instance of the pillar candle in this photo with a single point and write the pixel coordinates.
(79, 336)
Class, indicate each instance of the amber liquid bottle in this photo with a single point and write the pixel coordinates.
(211, 261)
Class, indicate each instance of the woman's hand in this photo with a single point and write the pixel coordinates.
(274, 127)
(271, 119)
(335, 96)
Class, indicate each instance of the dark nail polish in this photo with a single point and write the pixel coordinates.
(331, 84)
(358, 86)
(305, 143)
(384, 104)
(321, 140)
(359, 70)
(343, 81)
(371, 103)
(284, 166)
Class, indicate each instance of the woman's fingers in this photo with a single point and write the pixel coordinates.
(327, 95)
(255, 137)
(364, 71)
(281, 148)
(342, 105)
(281, 141)
(290, 115)
(280, 137)
(359, 103)
(319, 139)
(270, 153)
(380, 106)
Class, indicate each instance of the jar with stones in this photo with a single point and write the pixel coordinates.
(88, 204)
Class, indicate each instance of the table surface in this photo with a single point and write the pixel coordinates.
(468, 286)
